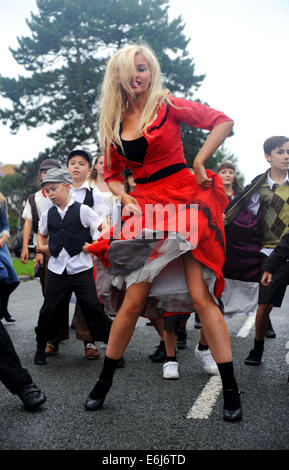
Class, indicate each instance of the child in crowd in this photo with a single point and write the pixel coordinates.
(35, 205)
(266, 200)
(68, 225)
(79, 166)
(33, 209)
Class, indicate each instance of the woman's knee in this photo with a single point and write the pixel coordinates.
(132, 308)
(201, 304)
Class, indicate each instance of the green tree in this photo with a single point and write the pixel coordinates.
(65, 60)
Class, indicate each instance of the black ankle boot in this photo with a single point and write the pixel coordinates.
(40, 356)
(232, 405)
(97, 395)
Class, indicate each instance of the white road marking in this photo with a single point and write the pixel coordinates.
(287, 355)
(246, 328)
(205, 402)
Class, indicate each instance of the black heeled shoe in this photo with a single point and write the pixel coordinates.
(234, 415)
(101, 388)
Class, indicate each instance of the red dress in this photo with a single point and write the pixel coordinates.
(177, 216)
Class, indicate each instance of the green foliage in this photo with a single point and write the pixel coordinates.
(65, 59)
(13, 221)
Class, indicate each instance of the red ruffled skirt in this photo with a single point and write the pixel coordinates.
(177, 216)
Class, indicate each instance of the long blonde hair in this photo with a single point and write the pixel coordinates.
(116, 86)
(93, 174)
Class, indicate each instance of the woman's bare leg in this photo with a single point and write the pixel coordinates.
(121, 332)
(216, 333)
(213, 323)
(124, 323)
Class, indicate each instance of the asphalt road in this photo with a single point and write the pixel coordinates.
(142, 410)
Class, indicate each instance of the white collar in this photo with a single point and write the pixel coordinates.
(85, 185)
(272, 182)
(66, 207)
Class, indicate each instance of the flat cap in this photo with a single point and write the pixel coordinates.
(49, 163)
(57, 175)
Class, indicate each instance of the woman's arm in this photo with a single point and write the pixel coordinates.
(129, 202)
(213, 141)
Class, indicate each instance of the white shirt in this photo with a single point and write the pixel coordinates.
(254, 205)
(82, 261)
(111, 201)
(40, 202)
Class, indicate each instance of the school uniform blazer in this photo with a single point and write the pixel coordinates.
(163, 136)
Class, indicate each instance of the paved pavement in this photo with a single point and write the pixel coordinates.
(142, 410)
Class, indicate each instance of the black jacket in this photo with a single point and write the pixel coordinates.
(278, 256)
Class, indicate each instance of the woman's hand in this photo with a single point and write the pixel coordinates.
(131, 205)
(266, 278)
(201, 175)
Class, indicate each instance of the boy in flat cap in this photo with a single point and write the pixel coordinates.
(79, 166)
(68, 225)
(36, 204)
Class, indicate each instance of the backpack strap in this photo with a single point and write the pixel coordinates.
(34, 212)
(88, 200)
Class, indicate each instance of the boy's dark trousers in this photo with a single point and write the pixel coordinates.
(61, 286)
(12, 374)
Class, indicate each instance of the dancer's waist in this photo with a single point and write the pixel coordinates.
(167, 171)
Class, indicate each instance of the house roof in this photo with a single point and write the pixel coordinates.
(7, 170)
